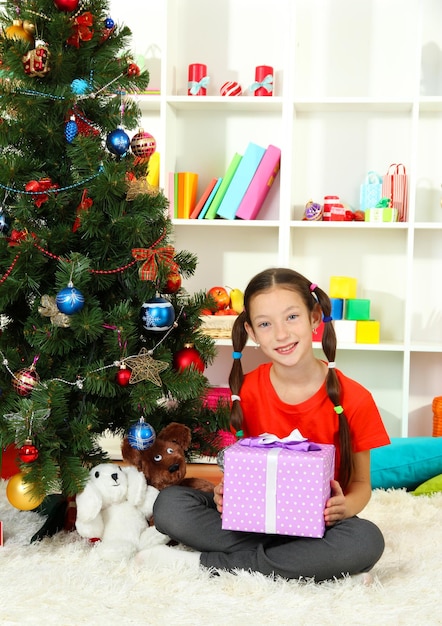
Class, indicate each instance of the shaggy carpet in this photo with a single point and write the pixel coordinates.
(60, 580)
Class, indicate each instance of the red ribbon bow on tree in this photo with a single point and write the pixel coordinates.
(38, 188)
(152, 258)
(82, 29)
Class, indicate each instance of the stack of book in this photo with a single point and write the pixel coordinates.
(239, 194)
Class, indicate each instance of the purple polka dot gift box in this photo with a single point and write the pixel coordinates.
(277, 486)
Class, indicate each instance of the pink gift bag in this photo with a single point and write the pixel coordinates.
(395, 187)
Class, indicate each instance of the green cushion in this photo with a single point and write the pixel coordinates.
(429, 486)
(406, 462)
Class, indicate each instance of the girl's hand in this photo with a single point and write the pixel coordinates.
(335, 507)
(218, 497)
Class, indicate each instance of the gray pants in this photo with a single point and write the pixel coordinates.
(190, 517)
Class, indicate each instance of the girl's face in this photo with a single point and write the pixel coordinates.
(282, 325)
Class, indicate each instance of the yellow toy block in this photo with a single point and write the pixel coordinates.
(368, 331)
(343, 287)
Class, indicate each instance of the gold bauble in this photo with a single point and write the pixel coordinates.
(20, 30)
(20, 493)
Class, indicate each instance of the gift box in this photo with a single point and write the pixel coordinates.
(277, 486)
(357, 309)
(378, 214)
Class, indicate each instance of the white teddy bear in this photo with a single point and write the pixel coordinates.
(115, 507)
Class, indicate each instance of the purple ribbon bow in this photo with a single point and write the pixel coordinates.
(295, 441)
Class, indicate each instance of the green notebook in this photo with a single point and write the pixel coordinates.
(211, 213)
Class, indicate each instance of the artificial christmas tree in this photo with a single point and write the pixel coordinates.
(89, 325)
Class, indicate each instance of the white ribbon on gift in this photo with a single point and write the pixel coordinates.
(273, 444)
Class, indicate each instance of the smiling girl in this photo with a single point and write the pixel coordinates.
(294, 389)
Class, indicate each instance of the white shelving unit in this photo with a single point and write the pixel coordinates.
(358, 85)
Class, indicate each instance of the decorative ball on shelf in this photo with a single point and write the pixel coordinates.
(69, 300)
(71, 129)
(122, 377)
(157, 315)
(25, 380)
(143, 144)
(19, 493)
(67, 5)
(118, 142)
(28, 453)
(231, 88)
(187, 357)
(141, 435)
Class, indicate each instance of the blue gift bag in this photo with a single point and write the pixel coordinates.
(371, 191)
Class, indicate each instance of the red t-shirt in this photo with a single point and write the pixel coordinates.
(315, 418)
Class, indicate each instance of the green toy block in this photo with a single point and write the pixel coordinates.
(357, 309)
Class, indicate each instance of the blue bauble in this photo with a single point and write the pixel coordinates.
(157, 315)
(69, 300)
(4, 224)
(80, 86)
(118, 142)
(141, 435)
(109, 22)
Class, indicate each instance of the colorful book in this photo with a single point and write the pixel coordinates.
(201, 202)
(240, 181)
(209, 200)
(211, 213)
(190, 187)
(261, 183)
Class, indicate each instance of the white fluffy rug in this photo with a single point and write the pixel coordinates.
(61, 581)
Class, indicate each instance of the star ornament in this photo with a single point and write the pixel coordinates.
(144, 367)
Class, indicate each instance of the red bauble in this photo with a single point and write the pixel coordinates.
(67, 5)
(28, 453)
(133, 69)
(25, 380)
(173, 283)
(122, 377)
(143, 144)
(186, 357)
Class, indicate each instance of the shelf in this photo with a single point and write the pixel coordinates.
(358, 86)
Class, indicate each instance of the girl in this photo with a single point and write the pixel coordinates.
(293, 390)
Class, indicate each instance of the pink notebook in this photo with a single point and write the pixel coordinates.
(260, 185)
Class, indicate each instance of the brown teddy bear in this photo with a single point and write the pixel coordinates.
(164, 463)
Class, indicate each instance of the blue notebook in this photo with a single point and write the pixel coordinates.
(209, 199)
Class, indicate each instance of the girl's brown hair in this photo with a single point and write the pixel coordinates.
(312, 297)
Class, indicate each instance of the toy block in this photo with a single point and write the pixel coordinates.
(368, 331)
(342, 287)
(337, 308)
(345, 331)
(357, 309)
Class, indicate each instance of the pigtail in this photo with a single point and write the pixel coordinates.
(236, 376)
(333, 388)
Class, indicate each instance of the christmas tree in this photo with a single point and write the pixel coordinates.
(96, 332)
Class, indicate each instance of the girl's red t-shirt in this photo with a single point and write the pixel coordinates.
(315, 418)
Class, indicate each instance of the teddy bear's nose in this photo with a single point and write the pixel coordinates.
(114, 477)
(174, 468)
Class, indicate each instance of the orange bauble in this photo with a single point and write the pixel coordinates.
(19, 493)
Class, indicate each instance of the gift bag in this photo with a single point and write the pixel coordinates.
(395, 187)
(371, 191)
